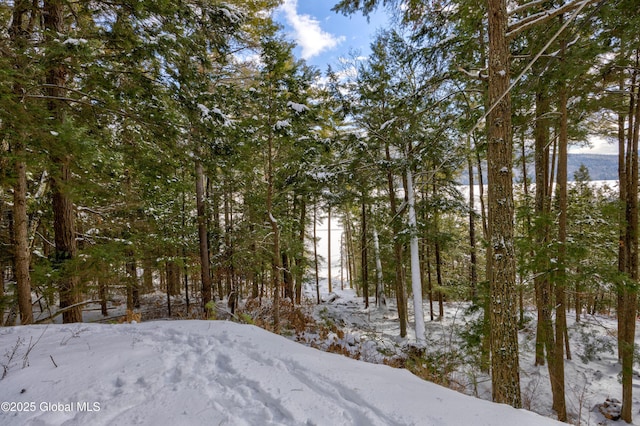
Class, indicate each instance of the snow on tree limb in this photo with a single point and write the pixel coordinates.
(524, 7)
(526, 23)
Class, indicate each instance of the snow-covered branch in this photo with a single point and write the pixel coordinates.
(474, 73)
(542, 17)
(526, 6)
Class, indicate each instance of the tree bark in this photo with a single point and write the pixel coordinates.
(380, 297)
(629, 312)
(504, 334)
(315, 250)
(203, 232)
(401, 298)
(133, 293)
(300, 254)
(558, 383)
(364, 257)
(19, 34)
(416, 279)
(329, 249)
(22, 254)
(473, 262)
(276, 259)
(63, 211)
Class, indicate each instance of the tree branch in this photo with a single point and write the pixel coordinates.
(542, 17)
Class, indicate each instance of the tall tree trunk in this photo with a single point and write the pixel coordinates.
(103, 294)
(558, 383)
(276, 258)
(380, 298)
(542, 229)
(401, 297)
(287, 276)
(329, 248)
(622, 179)
(63, 212)
(438, 260)
(133, 295)
(439, 282)
(351, 265)
(19, 33)
(203, 236)
(217, 241)
(365, 260)
(629, 312)
(315, 250)
(505, 373)
(173, 276)
(473, 261)
(300, 255)
(22, 255)
(416, 279)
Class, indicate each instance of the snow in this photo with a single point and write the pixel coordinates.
(75, 41)
(214, 372)
(206, 114)
(387, 123)
(281, 124)
(298, 108)
(232, 13)
(218, 372)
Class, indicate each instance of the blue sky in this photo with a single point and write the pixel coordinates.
(324, 36)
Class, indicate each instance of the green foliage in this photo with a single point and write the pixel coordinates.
(435, 365)
(211, 310)
(593, 344)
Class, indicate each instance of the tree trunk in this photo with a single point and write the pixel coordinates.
(19, 33)
(629, 312)
(380, 298)
(504, 333)
(558, 384)
(329, 249)
(401, 298)
(439, 282)
(173, 278)
(473, 262)
(276, 258)
(203, 232)
(133, 293)
(103, 294)
(365, 260)
(300, 253)
(22, 255)
(287, 276)
(541, 227)
(416, 281)
(315, 250)
(63, 212)
(215, 241)
(350, 250)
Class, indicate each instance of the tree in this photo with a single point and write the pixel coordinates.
(501, 250)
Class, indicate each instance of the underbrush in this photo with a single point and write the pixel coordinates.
(297, 322)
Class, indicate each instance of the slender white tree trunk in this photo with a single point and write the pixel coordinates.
(416, 281)
(380, 298)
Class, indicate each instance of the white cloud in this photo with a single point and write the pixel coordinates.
(307, 32)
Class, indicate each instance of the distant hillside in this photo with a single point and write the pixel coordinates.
(601, 167)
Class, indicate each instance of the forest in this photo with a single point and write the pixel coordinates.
(180, 148)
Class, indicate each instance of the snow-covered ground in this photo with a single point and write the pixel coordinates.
(214, 372)
(217, 372)
(592, 375)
